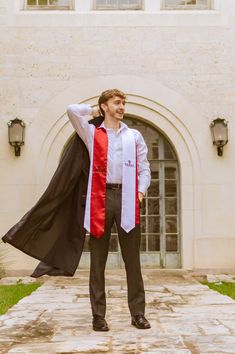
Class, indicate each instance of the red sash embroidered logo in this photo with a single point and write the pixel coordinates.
(129, 164)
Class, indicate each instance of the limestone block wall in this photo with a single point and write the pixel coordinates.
(189, 54)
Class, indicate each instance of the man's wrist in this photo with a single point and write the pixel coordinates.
(140, 196)
(96, 111)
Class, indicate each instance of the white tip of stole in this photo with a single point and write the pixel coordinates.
(127, 227)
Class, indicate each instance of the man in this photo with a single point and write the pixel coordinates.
(118, 179)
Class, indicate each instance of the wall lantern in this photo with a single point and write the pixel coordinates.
(16, 133)
(219, 131)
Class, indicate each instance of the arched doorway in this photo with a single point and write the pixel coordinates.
(160, 219)
(158, 106)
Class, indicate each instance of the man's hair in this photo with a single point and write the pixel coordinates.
(106, 95)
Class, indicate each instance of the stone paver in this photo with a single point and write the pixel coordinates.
(218, 278)
(186, 317)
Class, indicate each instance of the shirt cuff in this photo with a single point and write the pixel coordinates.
(142, 189)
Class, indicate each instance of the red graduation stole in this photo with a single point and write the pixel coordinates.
(98, 183)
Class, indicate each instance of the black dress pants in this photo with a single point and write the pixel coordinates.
(130, 249)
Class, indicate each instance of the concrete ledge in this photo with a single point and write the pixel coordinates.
(114, 18)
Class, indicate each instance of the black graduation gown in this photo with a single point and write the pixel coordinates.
(52, 231)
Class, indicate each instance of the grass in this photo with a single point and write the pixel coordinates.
(3, 253)
(11, 294)
(223, 288)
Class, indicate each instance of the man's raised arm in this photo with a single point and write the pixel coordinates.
(79, 115)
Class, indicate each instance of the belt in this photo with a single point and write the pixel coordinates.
(113, 186)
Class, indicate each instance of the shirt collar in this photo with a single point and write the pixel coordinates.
(122, 126)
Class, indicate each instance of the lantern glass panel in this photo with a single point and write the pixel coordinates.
(16, 133)
(220, 131)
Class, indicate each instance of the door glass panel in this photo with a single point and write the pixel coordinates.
(154, 151)
(154, 243)
(168, 151)
(170, 206)
(154, 166)
(171, 224)
(170, 172)
(153, 190)
(143, 207)
(143, 224)
(143, 243)
(171, 243)
(153, 206)
(170, 188)
(154, 224)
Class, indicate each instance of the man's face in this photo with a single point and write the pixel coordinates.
(114, 108)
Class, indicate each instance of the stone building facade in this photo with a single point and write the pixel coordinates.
(177, 66)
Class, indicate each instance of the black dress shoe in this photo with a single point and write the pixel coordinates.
(99, 324)
(139, 321)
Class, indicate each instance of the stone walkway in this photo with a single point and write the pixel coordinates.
(186, 317)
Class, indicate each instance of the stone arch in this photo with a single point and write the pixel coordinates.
(165, 109)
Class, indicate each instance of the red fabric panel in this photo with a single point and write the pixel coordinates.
(98, 184)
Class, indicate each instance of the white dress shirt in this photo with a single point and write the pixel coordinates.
(79, 114)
